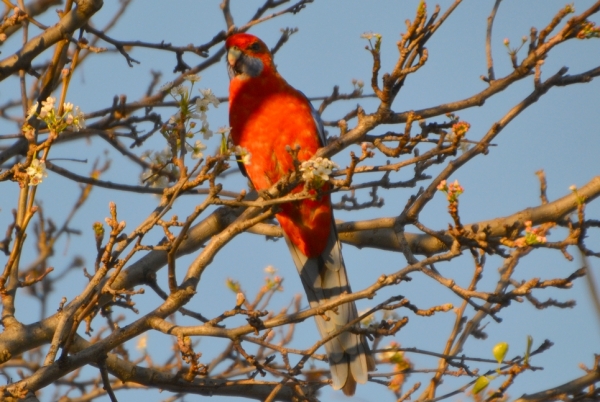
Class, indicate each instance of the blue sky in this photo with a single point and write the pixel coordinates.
(558, 134)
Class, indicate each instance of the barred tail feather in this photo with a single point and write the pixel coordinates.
(324, 278)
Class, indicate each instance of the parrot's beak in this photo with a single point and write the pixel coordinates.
(233, 55)
(240, 64)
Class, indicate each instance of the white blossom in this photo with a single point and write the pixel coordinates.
(178, 90)
(201, 108)
(208, 96)
(175, 118)
(205, 130)
(192, 77)
(72, 117)
(197, 150)
(47, 107)
(77, 120)
(36, 172)
(317, 169)
(223, 130)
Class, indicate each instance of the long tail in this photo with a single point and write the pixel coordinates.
(324, 278)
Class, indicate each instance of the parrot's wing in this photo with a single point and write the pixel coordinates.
(318, 122)
(324, 278)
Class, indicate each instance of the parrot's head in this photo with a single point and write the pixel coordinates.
(247, 56)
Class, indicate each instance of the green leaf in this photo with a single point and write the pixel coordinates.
(480, 384)
(528, 351)
(499, 351)
(223, 147)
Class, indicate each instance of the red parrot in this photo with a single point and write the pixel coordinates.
(268, 117)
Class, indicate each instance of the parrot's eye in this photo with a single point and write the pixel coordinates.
(255, 47)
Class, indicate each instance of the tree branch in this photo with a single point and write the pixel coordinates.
(72, 21)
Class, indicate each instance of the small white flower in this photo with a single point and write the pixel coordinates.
(192, 77)
(271, 270)
(178, 90)
(47, 107)
(78, 122)
(317, 170)
(206, 132)
(197, 149)
(223, 130)
(163, 156)
(208, 95)
(36, 172)
(49, 102)
(173, 119)
(371, 35)
(202, 108)
(71, 118)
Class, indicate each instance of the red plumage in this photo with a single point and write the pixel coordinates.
(267, 117)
